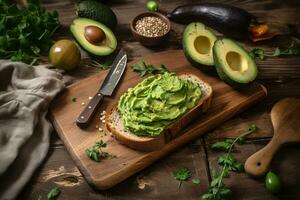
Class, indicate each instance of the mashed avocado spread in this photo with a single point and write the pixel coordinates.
(156, 102)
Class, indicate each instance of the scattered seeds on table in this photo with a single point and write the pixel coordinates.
(151, 27)
(90, 98)
(82, 103)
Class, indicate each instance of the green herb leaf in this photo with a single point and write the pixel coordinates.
(25, 32)
(96, 152)
(142, 68)
(74, 99)
(217, 189)
(257, 53)
(38, 197)
(196, 181)
(53, 194)
(182, 175)
(222, 145)
(292, 49)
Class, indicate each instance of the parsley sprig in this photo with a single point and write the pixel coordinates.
(142, 68)
(182, 174)
(26, 33)
(52, 194)
(217, 188)
(292, 49)
(96, 152)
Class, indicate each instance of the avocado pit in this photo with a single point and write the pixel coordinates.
(94, 34)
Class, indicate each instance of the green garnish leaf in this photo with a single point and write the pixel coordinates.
(222, 145)
(258, 53)
(38, 197)
(74, 99)
(182, 175)
(196, 181)
(26, 33)
(96, 152)
(231, 163)
(142, 68)
(292, 49)
(53, 194)
(217, 189)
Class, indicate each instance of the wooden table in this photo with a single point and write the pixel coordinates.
(281, 76)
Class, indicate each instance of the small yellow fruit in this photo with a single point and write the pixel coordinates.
(65, 54)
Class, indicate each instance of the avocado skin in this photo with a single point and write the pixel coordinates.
(205, 68)
(223, 76)
(98, 12)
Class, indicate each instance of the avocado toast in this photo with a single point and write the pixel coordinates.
(156, 125)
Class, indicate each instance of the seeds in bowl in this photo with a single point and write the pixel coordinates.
(151, 27)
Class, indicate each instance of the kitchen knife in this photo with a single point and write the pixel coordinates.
(109, 84)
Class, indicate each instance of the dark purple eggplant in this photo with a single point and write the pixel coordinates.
(229, 20)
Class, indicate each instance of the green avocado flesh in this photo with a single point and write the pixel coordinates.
(102, 49)
(156, 102)
(197, 43)
(233, 63)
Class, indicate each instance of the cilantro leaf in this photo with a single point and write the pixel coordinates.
(74, 99)
(222, 145)
(292, 49)
(53, 194)
(38, 197)
(182, 174)
(196, 181)
(257, 53)
(217, 188)
(142, 68)
(96, 152)
(26, 32)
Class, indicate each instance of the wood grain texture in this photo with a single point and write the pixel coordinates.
(279, 75)
(59, 170)
(226, 103)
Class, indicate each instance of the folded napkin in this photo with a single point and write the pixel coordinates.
(25, 94)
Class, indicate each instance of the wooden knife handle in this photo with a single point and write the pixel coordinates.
(86, 115)
(258, 164)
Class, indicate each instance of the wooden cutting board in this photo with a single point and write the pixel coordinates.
(105, 174)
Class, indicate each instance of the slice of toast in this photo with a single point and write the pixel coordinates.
(114, 122)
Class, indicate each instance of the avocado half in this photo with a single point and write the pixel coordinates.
(105, 48)
(197, 43)
(233, 63)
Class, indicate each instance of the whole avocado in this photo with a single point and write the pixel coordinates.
(98, 12)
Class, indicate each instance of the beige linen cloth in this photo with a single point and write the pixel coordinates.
(25, 94)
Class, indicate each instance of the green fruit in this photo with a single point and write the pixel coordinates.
(97, 11)
(272, 182)
(64, 54)
(105, 47)
(197, 43)
(233, 63)
(152, 6)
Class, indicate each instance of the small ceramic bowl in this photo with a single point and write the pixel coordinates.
(149, 41)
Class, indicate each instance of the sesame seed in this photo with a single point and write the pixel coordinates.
(151, 27)
(82, 103)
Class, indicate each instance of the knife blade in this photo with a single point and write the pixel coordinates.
(106, 89)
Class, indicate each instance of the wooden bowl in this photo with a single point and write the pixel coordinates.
(149, 41)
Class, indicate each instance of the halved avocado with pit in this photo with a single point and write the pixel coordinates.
(106, 47)
(197, 43)
(233, 63)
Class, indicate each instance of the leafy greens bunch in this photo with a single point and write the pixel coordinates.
(25, 32)
(217, 189)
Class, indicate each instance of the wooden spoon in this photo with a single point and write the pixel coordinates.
(285, 116)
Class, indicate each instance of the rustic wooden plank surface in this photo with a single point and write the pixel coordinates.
(281, 76)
